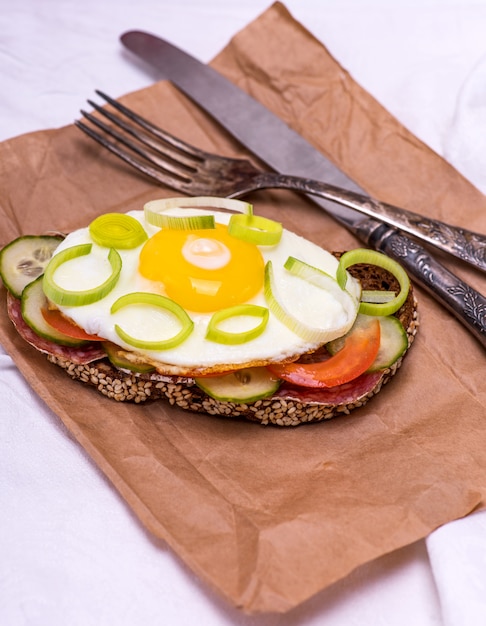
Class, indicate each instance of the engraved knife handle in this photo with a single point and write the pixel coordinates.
(461, 243)
(467, 304)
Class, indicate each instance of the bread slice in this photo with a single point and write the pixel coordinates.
(290, 406)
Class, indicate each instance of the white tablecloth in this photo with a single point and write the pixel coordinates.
(71, 552)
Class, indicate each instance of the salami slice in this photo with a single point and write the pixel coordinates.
(348, 393)
(80, 355)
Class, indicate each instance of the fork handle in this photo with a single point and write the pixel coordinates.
(461, 243)
(459, 298)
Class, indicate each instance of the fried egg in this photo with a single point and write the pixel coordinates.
(204, 270)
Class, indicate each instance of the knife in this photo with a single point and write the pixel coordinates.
(287, 152)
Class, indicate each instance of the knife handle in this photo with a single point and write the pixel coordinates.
(467, 304)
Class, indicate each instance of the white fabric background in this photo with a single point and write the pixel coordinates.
(71, 552)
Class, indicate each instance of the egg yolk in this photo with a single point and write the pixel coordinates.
(203, 270)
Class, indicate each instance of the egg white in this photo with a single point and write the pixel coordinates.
(196, 354)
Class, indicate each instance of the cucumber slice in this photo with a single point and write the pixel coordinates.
(393, 344)
(32, 302)
(24, 259)
(116, 357)
(243, 386)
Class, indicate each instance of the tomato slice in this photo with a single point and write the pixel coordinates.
(57, 320)
(355, 357)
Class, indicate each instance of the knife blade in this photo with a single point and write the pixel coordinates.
(287, 152)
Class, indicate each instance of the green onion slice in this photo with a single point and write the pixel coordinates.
(315, 334)
(65, 297)
(232, 338)
(162, 302)
(373, 257)
(317, 277)
(155, 211)
(255, 229)
(377, 295)
(193, 222)
(117, 230)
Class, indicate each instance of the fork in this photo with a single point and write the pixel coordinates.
(181, 166)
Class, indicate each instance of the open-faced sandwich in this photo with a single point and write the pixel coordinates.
(218, 310)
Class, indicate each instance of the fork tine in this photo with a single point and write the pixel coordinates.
(156, 173)
(166, 166)
(162, 156)
(158, 145)
(173, 141)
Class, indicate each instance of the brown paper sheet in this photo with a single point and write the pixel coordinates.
(268, 516)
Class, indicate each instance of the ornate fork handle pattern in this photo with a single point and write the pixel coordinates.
(461, 243)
